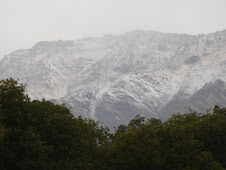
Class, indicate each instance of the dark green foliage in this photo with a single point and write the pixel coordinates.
(42, 135)
(212, 133)
(189, 141)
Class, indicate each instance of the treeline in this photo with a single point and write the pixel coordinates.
(42, 135)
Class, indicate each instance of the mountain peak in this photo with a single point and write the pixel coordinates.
(114, 78)
(51, 44)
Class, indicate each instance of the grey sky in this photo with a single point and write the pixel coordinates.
(25, 22)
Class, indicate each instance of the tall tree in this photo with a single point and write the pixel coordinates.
(42, 135)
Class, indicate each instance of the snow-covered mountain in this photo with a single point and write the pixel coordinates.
(114, 78)
(211, 94)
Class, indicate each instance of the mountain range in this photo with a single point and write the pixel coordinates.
(114, 78)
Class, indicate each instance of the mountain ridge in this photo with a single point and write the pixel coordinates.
(114, 78)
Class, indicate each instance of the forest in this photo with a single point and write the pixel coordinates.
(41, 135)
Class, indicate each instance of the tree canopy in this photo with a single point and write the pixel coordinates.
(42, 135)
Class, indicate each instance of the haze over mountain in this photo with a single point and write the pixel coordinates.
(114, 78)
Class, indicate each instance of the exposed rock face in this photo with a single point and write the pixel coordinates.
(211, 94)
(114, 78)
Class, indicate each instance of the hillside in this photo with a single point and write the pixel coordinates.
(114, 78)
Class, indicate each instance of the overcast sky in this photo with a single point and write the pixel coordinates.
(23, 23)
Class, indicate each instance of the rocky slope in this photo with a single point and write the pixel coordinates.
(211, 94)
(114, 78)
